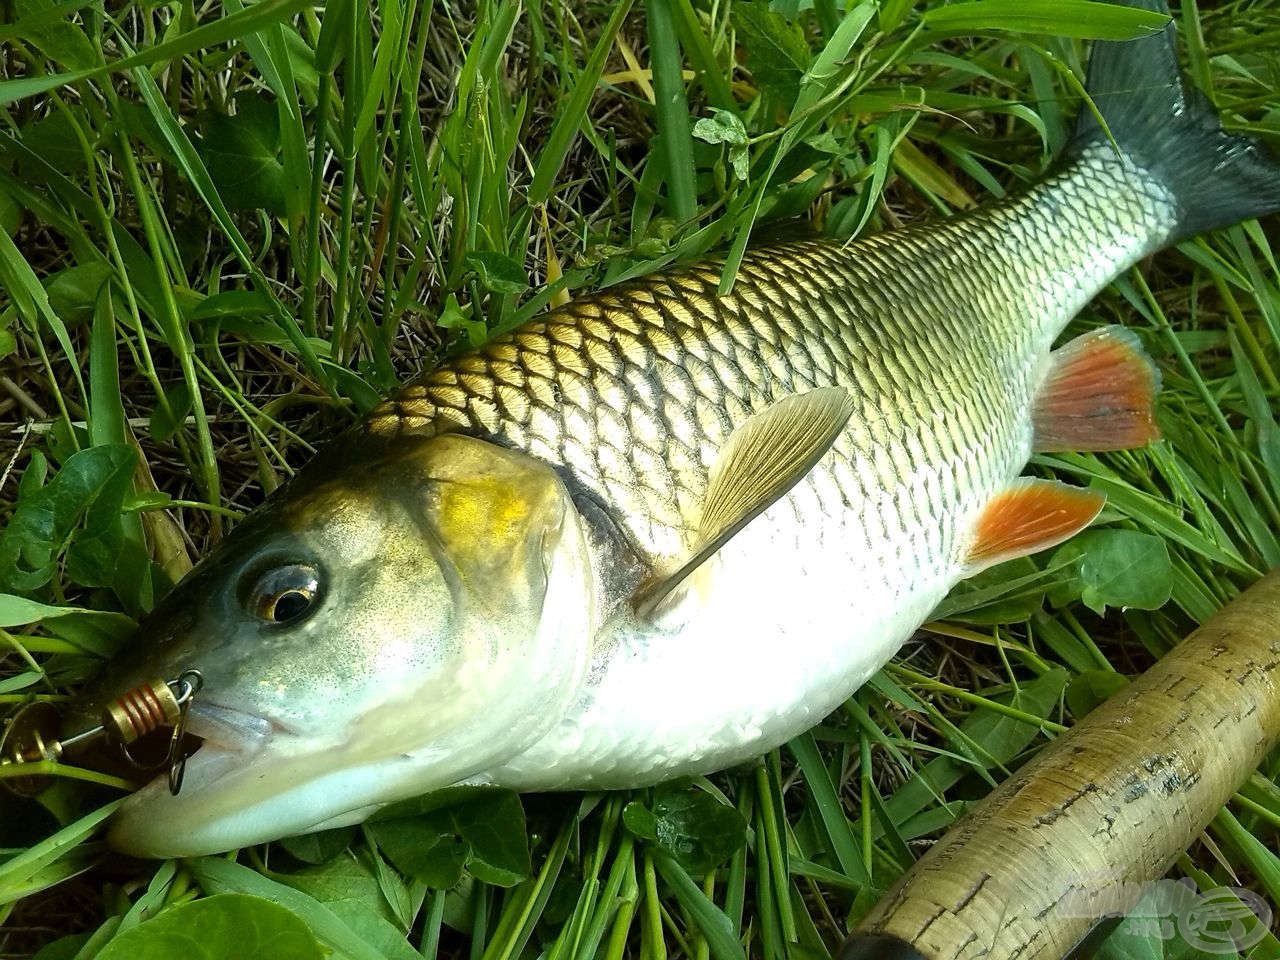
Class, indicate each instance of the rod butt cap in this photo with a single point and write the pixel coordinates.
(878, 946)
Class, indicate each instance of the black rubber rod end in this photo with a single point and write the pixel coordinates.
(878, 946)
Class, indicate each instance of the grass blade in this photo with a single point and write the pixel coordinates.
(1085, 19)
(222, 30)
(571, 116)
(672, 109)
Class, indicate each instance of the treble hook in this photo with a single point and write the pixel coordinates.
(155, 705)
(175, 759)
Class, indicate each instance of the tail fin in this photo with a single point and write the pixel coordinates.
(1172, 131)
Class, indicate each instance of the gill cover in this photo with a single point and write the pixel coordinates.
(392, 624)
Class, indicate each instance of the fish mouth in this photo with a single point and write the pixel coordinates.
(230, 728)
(218, 739)
(230, 752)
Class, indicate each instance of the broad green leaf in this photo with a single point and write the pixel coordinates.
(1091, 688)
(272, 54)
(41, 14)
(1116, 568)
(347, 876)
(424, 848)
(1173, 920)
(498, 273)
(97, 632)
(242, 155)
(19, 611)
(168, 417)
(479, 830)
(215, 928)
(53, 138)
(217, 875)
(99, 550)
(374, 929)
(690, 824)
(58, 39)
(724, 126)
(232, 304)
(776, 52)
(319, 847)
(64, 948)
(89, 488)
(350, 890)
(142, 127)
(453, 317)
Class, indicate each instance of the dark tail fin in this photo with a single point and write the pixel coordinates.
(1172, 131)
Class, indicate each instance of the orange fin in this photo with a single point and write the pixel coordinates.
(1099, 395)
(1030, 515)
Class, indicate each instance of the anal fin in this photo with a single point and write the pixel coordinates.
(1030, 515)
(1099, 395)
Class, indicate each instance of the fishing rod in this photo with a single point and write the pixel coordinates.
(1100, 814)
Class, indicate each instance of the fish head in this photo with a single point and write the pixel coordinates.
(388, 626)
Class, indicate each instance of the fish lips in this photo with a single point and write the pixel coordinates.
(228, 729)
(233, 744)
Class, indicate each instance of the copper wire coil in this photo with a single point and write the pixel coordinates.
(143, 709)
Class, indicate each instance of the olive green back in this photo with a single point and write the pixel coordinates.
(938, 332)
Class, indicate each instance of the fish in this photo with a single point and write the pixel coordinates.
(657, 531)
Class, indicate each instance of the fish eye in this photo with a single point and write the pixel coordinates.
(284, 594)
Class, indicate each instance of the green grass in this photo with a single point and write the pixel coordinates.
(227, 230)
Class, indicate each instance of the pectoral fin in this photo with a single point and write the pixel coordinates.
(1031, 515)
(763, 459)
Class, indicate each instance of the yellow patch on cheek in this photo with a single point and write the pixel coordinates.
(481, 507)
(482, 520)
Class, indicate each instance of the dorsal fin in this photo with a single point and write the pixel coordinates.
(763, 459)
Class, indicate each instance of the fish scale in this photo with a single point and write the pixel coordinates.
(940, 334)
(932, 329)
